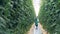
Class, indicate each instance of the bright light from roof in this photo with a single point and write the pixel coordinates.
(36, 4)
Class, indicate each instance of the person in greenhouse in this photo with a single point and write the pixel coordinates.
(36, 22)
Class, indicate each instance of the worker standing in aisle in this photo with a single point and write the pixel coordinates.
(36, 22)
(37, 29)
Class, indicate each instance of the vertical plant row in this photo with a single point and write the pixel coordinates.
(16, 16)
(49, 16)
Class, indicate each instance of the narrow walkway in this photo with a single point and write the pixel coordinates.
(40, 30)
